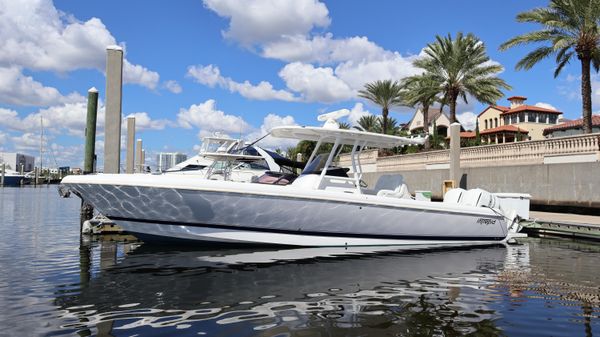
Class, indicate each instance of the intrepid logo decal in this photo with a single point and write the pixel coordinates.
(485, 221)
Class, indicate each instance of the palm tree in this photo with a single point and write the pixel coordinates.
(344, 125)
(369, 123)
(372, 123)
(461, 67)
(383, 93)
(393, 128)
(421, 90)
(570, 28)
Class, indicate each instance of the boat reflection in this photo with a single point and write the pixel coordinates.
(304, 290)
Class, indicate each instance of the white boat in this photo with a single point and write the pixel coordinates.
(222, 158)
(322, 207)
(14, 178)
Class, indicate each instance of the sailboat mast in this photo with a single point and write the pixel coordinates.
(41, 141)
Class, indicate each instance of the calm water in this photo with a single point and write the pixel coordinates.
(50, 284)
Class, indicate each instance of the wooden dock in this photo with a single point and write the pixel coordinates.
(563, 224)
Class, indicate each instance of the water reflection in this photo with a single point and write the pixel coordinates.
(52, 285)
(379, 291)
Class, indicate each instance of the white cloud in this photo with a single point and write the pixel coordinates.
(61, 155)
(467, 119)
(3, 139)
(36, 36)
(284, 30)
(136, 74)
(210, 75)
(28, 142)
(571, 89)
(143, 122)
(356, 113)
(270, 142)
(205, 116)
(323, 49)
(173, 87)
(545, 105)
(11, 120)
(315, 84)
(259, 21)
(69, 118)
(390, 66)
(18, 89)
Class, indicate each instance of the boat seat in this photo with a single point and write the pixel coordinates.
(401, 192)
(454, 196)
(389, 182)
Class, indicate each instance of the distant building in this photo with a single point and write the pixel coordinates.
(14, 161)
(570, 128)
(166, 160)
(502, 124)
(442, 122)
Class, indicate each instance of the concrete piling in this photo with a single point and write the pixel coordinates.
(455, 153)
(90, 131)
(130, 153)
(143, 163)
(114, 86)
(139, 167)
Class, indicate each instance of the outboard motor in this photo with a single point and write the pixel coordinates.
(480, 198)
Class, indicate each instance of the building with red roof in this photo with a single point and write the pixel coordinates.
(519, 121)
(570, 128)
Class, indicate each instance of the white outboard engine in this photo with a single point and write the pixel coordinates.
(480, 198)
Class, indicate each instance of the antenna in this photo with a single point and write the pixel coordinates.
(331, 117)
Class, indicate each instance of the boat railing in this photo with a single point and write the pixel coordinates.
(534, 152)
(338, 183)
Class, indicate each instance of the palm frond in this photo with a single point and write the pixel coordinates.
(534, 57)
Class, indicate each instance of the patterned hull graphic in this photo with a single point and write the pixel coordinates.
(245, 217)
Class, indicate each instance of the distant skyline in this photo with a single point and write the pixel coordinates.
(197, 67)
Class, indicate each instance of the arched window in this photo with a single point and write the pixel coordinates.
(495, 122)
(485, 124)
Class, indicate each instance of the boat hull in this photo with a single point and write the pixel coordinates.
(251, 216)
(15, 180)
(171, 233)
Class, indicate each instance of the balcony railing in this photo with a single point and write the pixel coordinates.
(519, 153)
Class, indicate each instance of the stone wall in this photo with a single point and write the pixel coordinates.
(571, 184)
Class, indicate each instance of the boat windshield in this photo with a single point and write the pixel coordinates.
(316, 165)
(217, 145)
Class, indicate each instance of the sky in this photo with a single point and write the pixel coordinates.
(193, 67)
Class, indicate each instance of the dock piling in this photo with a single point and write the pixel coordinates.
(2, 177)
(90, 131)
(139, 167)
(112, 128)
(130, 153)
(455, 153)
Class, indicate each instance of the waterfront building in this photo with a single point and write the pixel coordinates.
(571, 128)
(166, 160)
(519, 121)
(417, 123)
(14, 160)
